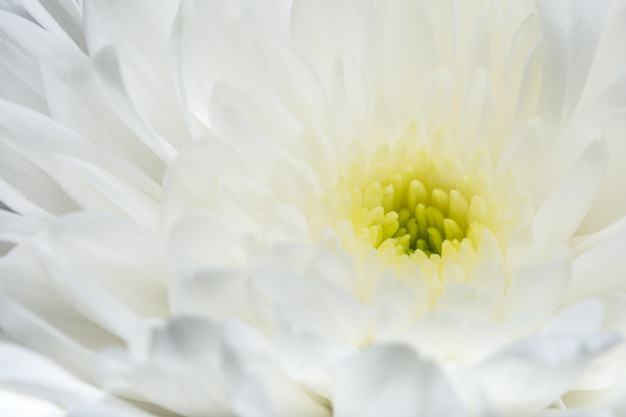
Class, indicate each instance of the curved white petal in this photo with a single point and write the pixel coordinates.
(196, 367)
(25, 371)
(544, 283)
(572, 31)
(403, 53)
(63, 18)
(31, 331)
(563, 211)
(524, 378)
(295, 82)
(599, 269)
(121, 272)
(392, 380)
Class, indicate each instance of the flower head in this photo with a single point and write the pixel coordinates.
(314, 208)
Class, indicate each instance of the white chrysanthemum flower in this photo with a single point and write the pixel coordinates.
(314, 208)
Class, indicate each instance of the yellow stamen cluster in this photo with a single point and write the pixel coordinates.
(407, 201)
(406, 215)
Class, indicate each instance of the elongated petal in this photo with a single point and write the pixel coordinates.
(25, 371)
(404, 52)
(288, 73)
(114, 298)
(60, 17)
(599, 269)
(562, 213)
(198, 367)
(394, 380)
(572, 32)
(544, 368)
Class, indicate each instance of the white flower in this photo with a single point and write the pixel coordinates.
(333, 207)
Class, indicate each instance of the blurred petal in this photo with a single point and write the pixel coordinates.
(392, 380)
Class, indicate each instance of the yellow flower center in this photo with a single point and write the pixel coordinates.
(413, 202)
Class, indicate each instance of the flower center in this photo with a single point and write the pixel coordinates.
(412, 202)
(405, 214)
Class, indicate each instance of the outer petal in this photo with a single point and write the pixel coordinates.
(392, 380)
(526, 377)
(566, 207)
(63, 18)
(20, 405)
(26, 371)
(599, 269)
(572, 32)
(196, 367)
(403, 53)
(36, 67)
(215, 41)
(110, 270)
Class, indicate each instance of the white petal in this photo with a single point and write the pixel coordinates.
(245, 199)
(109, 269)
(86, 111)
(284, 223)
(545, 284)
(403, 53)
(37, 66)
(33, 332)
(237, 117)
(476, 112)
(350, 99)
(116, 88)
(192, 178)
(335, 266)
(63, 18)
(572, 32)
(206, 238)
(25, 371)
(113, 409)
(576, 413)
(394, 306)
(15, 7)
(391, 380)
(115, 22)
(95, 189)
(25, 45)
(610, 61)
(609, 205)
(544, 368)
(295, 82)
(20, 405)
(196, 367)
(566, 207)
(177, 369)
(294, 183)
(20, 272)
(524, 153)
(583, 318)
(214, 41)
(32, 139)
(15, 228)
(308, 358)
(437, 100)
(311, 307)
(456, 337)
(252, 365)
(598, 270)
(211, 293)
(19, 203)
(22, 170)
(324, 29)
